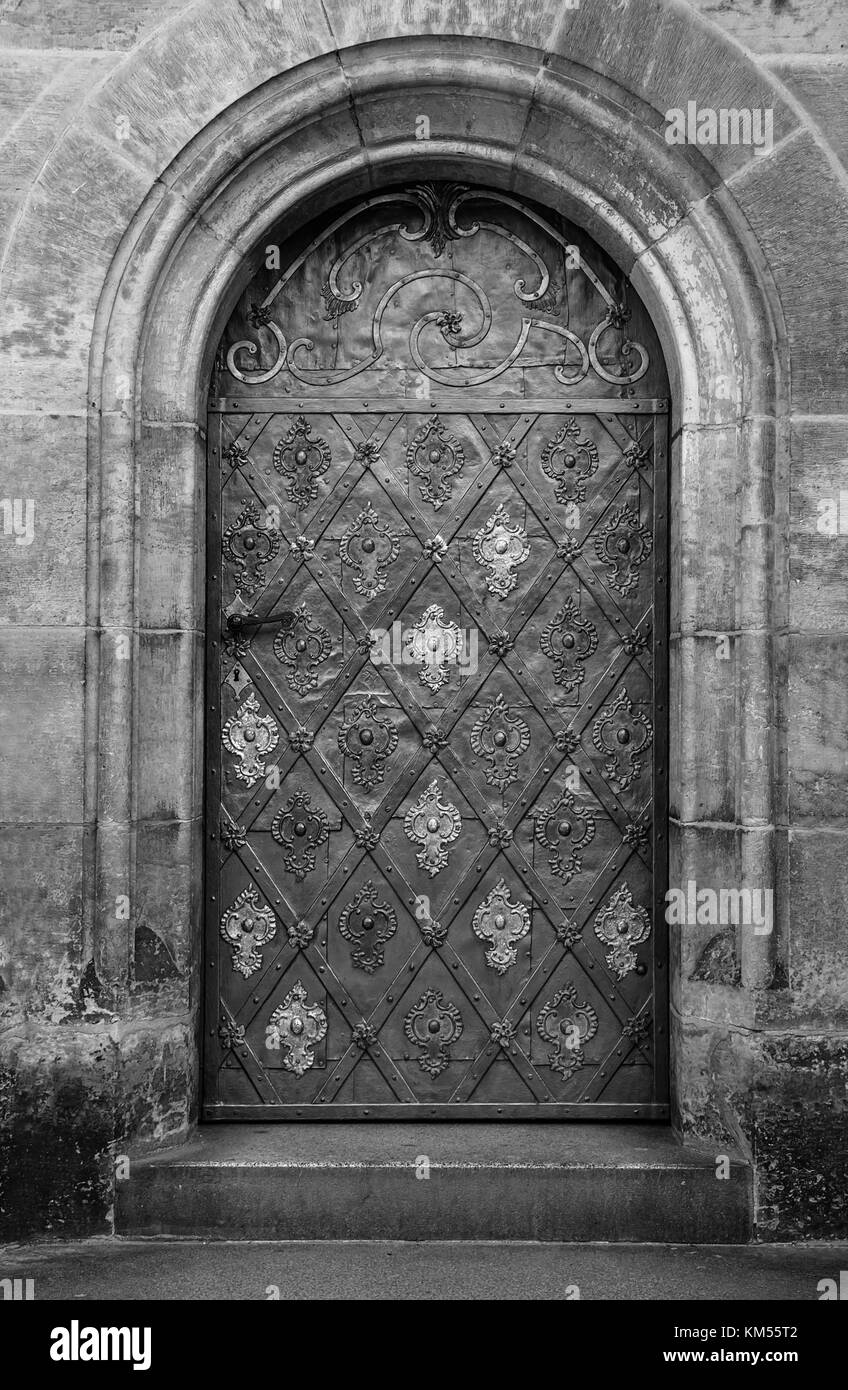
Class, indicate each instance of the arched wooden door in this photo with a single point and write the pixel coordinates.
(436, 718)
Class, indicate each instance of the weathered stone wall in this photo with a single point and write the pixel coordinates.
(101, 104)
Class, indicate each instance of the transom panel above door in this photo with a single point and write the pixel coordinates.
(436, 716)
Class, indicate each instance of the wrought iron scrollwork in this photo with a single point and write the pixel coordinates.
(295, 1029)
(500, 546)
(433, 644)
(609, 351)
(622, 924)
(435, 456)
(623, 545)
(568, 1025)
(301, 460)
(502, 923)
(500, 736)
(249, 544)
(367, 923)
(569, 461)
(564, 829)
(300, 830)
(368, 739)
(247, 925)
(433, 1025)
(250, 737)
(433, 824)
(622, 733)
(301, 646)
(569, 640)
(369, 547)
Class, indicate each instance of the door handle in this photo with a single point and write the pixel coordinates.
(237, 622)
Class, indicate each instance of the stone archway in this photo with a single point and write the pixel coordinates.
(286, 150)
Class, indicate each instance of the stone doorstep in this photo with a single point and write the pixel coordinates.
(549, 1182)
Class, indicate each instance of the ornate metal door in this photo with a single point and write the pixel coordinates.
(436, 664)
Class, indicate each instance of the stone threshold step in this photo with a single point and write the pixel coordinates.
(414, 1182)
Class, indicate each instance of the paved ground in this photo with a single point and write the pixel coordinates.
(436, 1270)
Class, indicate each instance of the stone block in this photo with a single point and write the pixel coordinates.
(171, 527)
(817, 736)
(818, 948)
(57, 1116)
(170, 701)
(41, 725)
(42, 573)
(792, 200)
(660, 53)
(703, 753)
(41, 924)
(819, 525)
(779, 28)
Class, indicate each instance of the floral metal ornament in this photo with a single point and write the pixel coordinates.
(435, 548)
(301, 460)
(230, 1034)
(366, 838)
(503, 923)
(568, 1025)
(564, 829)
(301, 831)
(635, 456)
(500, 644)
(236, 455)
(364, 1036)
(300, 646)
(502, 1033)
(621, 733)
(433, 824)
(302, 548)
(433, 1024)
(635, 642)
(500, 736)
(249, 545)
(569, 640)
(637, 836)
(567, 741)
(300, 934)
(368, 738)
(638, 1031)
(436, 457)
(500, 547)
(247, 925)
(433, 932)
(233, 836)
(623, 545)
(295, 1028)
(568, 934)
(621, 925)
(367, 453)
(438, 203)
(503, 455)
(367, 923)
(368, 547)
(250, 737)
(568, 460)
(432, 644)
(569, 549)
